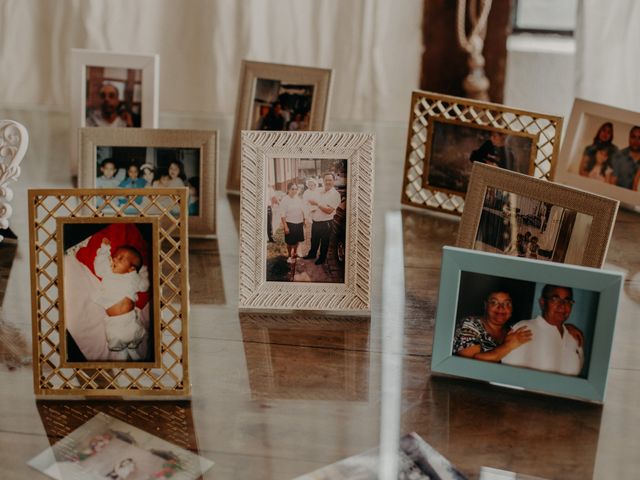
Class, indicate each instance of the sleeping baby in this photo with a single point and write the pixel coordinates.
(123, 275)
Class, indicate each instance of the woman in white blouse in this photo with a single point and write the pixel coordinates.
(292, 216)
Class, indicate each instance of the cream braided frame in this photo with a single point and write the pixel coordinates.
(354, 294)
(427, 106)
(169, 375)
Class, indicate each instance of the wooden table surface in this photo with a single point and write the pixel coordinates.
(275, 396)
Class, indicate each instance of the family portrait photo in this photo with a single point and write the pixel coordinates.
(142, 167)
(609, 152)
(534, 325)
(281, 106)
(306, 216)
(108, 448)
(113, 97)
(454, 146)
(109, 290)
(521, 226)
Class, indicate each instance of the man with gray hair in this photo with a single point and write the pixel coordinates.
(326, 200)
(110, 113)
(555, 347)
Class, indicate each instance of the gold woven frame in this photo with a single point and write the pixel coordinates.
(427, 106)
(602, 209)
(51, 378)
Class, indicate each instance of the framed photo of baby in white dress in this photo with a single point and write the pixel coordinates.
(112, 315)
(109, 293)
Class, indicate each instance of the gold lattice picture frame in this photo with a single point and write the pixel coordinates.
(109, 292)
(317, 253)
(448, 134)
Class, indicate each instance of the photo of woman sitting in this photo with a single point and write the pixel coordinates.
(488, 337)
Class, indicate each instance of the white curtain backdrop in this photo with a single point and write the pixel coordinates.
(608, 52)
(374, 47)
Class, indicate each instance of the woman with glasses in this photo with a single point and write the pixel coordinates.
(292, 213)
(488, 337)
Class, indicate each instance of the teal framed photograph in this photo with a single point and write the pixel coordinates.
(537, 326)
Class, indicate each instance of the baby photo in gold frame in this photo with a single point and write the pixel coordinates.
(109, 293)
(447, 135)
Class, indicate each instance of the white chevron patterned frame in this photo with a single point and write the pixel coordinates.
(354, 294)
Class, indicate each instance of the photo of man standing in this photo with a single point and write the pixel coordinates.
(327, 200)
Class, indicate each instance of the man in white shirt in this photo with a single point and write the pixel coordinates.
(326, 200)
(555, 347)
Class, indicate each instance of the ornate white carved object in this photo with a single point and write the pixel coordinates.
(14, 140)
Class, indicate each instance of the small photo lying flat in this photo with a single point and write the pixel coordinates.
(105, 447)
(417, 460)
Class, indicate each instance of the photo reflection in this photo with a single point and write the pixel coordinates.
(307, 357)
(474, 424)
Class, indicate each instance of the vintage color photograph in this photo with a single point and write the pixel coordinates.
(306, 219)
(143, 167)
(113, 97)
(455, 146)
(517, 225)
(526, 324)
(609, 153)
(281, 106)
(108, 448)
(108, 290)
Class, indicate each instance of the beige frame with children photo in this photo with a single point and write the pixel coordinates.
(529, 143)
(202, 222)
(303, 82)
(145, 91)
(568, 225)
(303, 153)
(70, 293)
(587, 149)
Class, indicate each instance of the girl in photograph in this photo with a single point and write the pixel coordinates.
(133, 179)
(177, 177)
(598, 167)
(292, 215)
(603, 139)
(488, 337)
(147, 174)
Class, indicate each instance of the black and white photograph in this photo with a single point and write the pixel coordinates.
(108, 290)
(527, 324)
(306, 219)
(416, 460)
(517, 225)
(455, 146)
(108, 448)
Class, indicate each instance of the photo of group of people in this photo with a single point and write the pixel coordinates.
(602, 160)
(521, 226)
(526, 324)
(306, 219)
(108, 273)
(454, 148)
(281, 106)
(142, 167)
(108, 448)
(113, 97)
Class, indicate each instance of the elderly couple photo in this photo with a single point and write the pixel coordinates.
(539, 326)
(306, 220)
